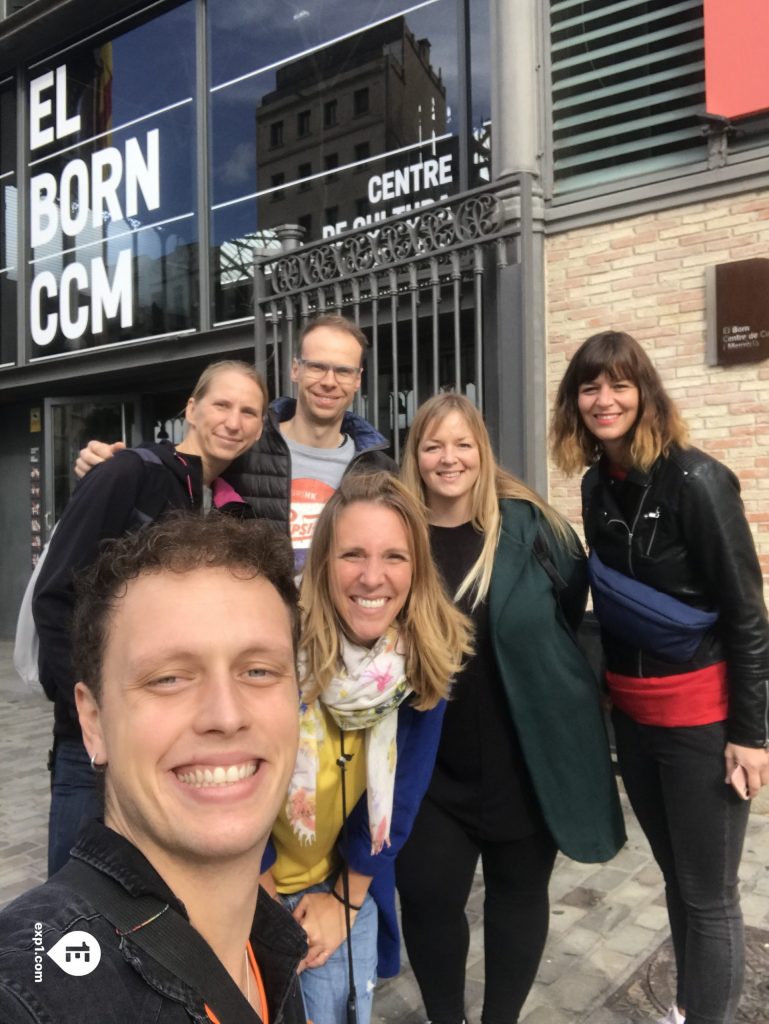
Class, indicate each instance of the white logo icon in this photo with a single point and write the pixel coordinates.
(77, 953)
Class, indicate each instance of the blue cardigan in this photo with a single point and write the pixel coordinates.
(417, 741)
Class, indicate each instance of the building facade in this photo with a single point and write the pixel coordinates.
(481, 183)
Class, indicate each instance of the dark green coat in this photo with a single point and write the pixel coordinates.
(553, 694)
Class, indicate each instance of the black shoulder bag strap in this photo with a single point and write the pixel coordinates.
(545, 559)
(167, 936)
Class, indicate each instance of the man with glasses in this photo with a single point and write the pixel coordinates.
(309, 442)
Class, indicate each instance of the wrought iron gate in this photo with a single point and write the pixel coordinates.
(423, 287)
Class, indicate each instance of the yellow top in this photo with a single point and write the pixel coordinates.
(299, 865)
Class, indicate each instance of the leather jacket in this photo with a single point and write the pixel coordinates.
(681, 528)
(262, 475)
(127, 984)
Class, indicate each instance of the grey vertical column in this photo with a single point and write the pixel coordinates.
(260, 317)
(519, 411)
(202, 150)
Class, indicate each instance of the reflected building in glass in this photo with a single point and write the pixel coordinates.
(353, 134)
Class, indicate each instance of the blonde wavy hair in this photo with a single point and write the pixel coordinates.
(492, 486)
(658, 424)
(435, 633)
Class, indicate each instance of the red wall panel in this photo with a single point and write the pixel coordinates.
(736, 57)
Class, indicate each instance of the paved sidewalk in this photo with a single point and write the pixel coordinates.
(606, 962)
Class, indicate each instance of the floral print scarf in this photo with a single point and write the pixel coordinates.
(370, 687)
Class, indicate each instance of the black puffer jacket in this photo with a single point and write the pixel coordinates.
(681, 528)
(262, 475)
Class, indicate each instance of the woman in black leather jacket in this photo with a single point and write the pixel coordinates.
(689, 718)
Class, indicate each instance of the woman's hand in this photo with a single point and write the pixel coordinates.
(322, 917)
(755, 761)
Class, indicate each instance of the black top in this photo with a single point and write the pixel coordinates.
(121, 495)
(480, 775)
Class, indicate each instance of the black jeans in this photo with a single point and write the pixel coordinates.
(434, 873)
(75, 799)
(695, 825)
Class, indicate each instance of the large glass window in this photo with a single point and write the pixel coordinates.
(346, 111)
(8, 223)
(112, 196)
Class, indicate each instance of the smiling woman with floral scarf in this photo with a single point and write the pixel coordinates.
(381, 642)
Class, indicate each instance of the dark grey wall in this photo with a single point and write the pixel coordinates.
(15, 564)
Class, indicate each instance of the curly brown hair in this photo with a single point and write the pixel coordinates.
(179, 543)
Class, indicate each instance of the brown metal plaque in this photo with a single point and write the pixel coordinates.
(738, 307)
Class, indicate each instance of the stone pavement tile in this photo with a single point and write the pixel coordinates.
(11, 850)
(654, 918)
(608, 879)
(604, 1015)
(577, 990)
(630, 858)
(583, 897)
(396, 1004)
(473, 999)
(476, 968)
(751, 870)
(578, 941)
(605, 918)
(755, 909)
(611, 962)
(562, 918)
(555, 963)
(567, 876)
(635, 893)
(631, 939)
(650, 875)
(547, 1015)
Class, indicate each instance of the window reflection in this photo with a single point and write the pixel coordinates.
(358, 95)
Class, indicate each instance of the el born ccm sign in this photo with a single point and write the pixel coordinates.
(84, 195)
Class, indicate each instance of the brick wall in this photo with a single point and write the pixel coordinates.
(646, 275)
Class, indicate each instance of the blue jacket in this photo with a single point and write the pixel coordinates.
(418, 736)
(417, 742)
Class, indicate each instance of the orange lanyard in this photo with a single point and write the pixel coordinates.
(265, 1015)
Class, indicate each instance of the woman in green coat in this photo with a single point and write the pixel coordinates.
(523, 765)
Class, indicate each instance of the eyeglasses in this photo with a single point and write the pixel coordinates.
(342, 374)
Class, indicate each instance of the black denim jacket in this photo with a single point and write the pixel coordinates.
(127, 985)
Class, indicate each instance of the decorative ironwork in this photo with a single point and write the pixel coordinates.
(430, 232)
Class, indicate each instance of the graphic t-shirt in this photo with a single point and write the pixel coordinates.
(315, 475)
